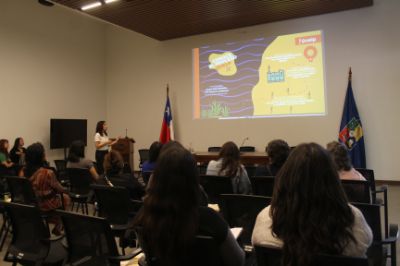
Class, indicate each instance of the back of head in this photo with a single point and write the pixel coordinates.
(230, 155)
(309, 209)
(278, 151)
(3, 148)
(76, 151)
(154, 151)
(340, 155)
(169, 218)
(113, 163)
(34, 158)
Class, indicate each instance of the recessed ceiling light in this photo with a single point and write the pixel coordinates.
(110, 1)
(91, 6)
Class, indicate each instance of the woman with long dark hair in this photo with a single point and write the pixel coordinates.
(309, 212)
(171, 216)
(17, 153)
(45, 184)
(76, 158)
(228, 164)
(102, 143)
(154, 151)
(6, 164)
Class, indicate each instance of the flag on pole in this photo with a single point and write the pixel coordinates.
(167, 129)
(351, 132)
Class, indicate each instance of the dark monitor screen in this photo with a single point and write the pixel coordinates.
(65, 131)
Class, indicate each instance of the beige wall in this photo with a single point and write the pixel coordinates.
(51, 66)
(365, 39)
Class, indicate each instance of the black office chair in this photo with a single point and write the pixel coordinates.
(262, 185)
(61, 171)
(378, 195)
(204, 251)
(31, 243)
(242, 211)
(269, 256)
(251, 170)
(214, 149)
(377, 252)
(115, 205)
(214, 186)
(79, 190)
(91, 241)
(357, 190)
(247, 149)
(21, 190)
(143, 156)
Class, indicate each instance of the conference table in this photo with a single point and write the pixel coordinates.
(246, 158)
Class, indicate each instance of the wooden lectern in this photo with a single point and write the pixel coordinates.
(125, 146)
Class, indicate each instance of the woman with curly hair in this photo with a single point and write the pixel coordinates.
(342, 161)
(309, 212)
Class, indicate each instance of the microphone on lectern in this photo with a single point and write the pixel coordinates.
(244, 140)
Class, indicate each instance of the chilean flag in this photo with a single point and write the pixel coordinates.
(167, 129)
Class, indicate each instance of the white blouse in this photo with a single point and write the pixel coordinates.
(102, 139)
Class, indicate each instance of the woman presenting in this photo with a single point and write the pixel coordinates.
(102, 143)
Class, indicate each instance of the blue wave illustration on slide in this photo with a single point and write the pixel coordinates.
(240, 71)
(226, 96)
(239, 64)
(230, 103)
(238, 49)
(229, 80)
(238, 55)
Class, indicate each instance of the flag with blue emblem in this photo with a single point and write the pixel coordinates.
(351, 132)
(167, 129)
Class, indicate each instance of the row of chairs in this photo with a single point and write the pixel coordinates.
(91, 242)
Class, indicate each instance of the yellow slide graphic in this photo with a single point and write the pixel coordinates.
(291, 77)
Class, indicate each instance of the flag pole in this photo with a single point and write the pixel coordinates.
(350, 74)
(167, 90)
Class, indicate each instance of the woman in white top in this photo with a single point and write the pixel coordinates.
(228, 164)
(309, 212)
(102, 143)
(342, 161)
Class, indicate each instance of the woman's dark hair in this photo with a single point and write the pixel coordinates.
(309, 210)
(169, 217)
(16, 143)
(34, 158)
(278, 151)
(230, 155)
(3, 148)
(154, 151)
(76, 151)
(339, 155)
(100, 129)
(113, 163)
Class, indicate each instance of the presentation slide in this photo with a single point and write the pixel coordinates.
(264, 77)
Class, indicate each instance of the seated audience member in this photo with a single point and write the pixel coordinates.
(228, 164)
(342, 161)
(113, 168)
(45, 184)
(278, 151)
(309, 212)
(5, 162)
(171, 216)
(76, 158)
(17, 153)
(154, 151)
